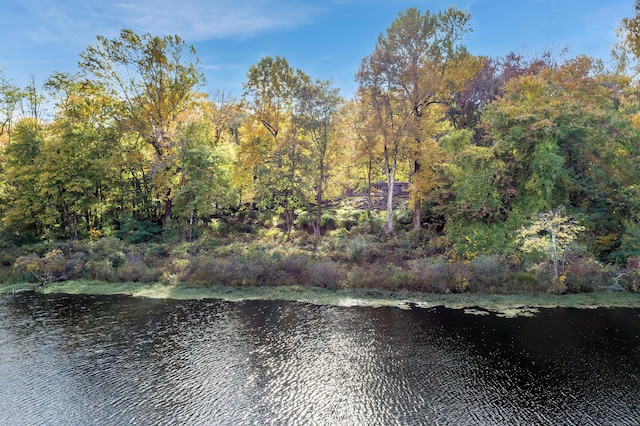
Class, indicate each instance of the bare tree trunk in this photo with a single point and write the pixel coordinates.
(288, 217)
(388, 227)
(316, 230)
(391, 178)
(315, 222)
(417, 219)
(68, 223)
(369, 174)
(554, 249)
(168, 207)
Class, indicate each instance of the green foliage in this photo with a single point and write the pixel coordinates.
(629, 243)
(487, 272)
(469, 239)
(361, 248)
(137, 231)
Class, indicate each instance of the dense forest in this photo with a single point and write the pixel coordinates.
(519, 172)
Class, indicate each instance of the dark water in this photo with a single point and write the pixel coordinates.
(86, 360)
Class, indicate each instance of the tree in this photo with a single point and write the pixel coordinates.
(484, 81)
(358, 132)
(10, 96)
(80, 154)
(551, 233)
(626, 52)
(204, 182)
(559, 137)
(155, 79)
(317, 105)
(414, 63)
(390, 121)
(225, 114)
(275, 157)
(25, 213)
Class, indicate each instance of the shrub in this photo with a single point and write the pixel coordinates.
(212, 270)
(53, 266)
(487, 272)
(584, 275)
(362, 248)
(294, 268)
(134, 231)
(349, 218)
(526, 282)
(433, 275)
(105, 247)
(362, 277)
(327, 274)
(327, 221)
(393, 277)
(101, 269)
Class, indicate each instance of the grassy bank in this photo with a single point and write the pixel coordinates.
(472, 303)
(344, 267)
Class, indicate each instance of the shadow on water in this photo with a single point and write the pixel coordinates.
(122, 360)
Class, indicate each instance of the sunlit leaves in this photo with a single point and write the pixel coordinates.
(550, 233)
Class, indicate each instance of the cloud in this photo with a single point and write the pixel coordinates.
(71, 21)
(204, 20)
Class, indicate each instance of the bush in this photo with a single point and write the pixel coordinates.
(349, 218)
(211, 270)
(362, 248)
(134, 232)
(526, 282)
(294, 268)
(435, 275)
(101, 269)
(362, 277)
(584, 275)
(327, 274)
(53, 266)
(487, 272)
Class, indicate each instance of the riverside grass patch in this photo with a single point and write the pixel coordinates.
(508, 306)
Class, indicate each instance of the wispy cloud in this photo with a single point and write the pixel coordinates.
(201, 19)
(194, 20)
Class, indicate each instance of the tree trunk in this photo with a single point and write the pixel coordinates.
(288, 217)
(417, 220)
(554, 253)
(388, 228)
(168, 207)
(315, 222)
(317, 232)
(68, 223)
(369, 174)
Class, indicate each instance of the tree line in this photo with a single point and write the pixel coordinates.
(491, 147)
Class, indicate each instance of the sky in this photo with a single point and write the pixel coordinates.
(325, 39)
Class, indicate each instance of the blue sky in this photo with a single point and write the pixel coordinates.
(325, 39)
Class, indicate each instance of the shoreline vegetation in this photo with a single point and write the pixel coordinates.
(343, 268)
(509, 306)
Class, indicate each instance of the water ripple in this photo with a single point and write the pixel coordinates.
(117, 360)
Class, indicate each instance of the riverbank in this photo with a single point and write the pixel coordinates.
(472, 303)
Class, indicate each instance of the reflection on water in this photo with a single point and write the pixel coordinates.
(80, 360)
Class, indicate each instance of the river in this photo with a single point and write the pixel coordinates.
(117, 360)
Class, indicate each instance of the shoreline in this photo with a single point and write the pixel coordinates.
(509, 306)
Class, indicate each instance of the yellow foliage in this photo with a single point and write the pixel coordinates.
(95, 234)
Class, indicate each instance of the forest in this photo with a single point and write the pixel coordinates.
(517, 174)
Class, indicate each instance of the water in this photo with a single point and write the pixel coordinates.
(111, 360)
